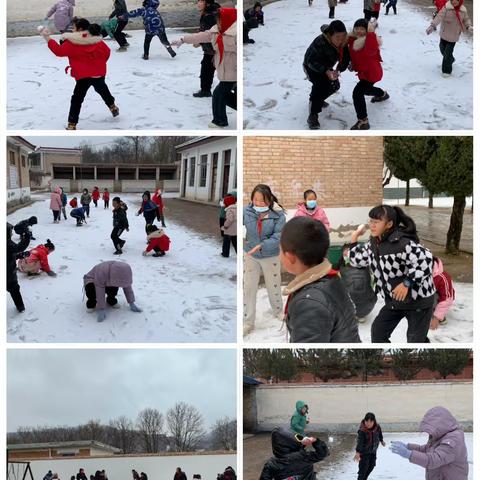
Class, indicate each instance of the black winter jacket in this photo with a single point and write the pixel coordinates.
(119, 9)
(358, 282)
(120, 219)
(321, 56)
(13, 249)
(207, 20)
(368, 440)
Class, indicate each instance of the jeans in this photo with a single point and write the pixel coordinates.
(446, 49)
(148, 39)
(322, 88)
(86, 206)
(78, 218)
(81, 89)
(225, 94)
(91, 295)
(106, 204)
(207, 72)
(56, 215)
(64, 211)
(361, 89)
(118, 35)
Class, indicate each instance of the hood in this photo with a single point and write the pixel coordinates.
(58, 190)
(82, 38)
(299, 405)
(285, 441)
(32, 221)
(152, 4)
(111, 274)
(303, 208)
(156, 234)
(438, 421)
(437, 267)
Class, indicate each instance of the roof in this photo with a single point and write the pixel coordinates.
(164, 166)
(198, 141)
(76, 151)
(74, 444)
(250, 381)
(21, 140)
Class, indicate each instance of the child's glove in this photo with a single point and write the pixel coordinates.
(144, 253)
(101, 315)
(430, 29)
(51, 274)
(134, 308)
(177, 43)
(401, 449)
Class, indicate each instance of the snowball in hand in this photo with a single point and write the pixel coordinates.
(330, 439)
(40, 28)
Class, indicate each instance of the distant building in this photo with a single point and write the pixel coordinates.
(250, 385)
(208, 168)
(18, 178)
(39, 451)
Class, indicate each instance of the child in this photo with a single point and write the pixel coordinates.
(88, 55)
(263, 225)
(79, 215)
(157, 240)
(23, 228)
(85, 200)
(391, 4)
(229, 197)
(154, 26)
(120, 223)
(13, 249)
(229, 226)
(454, 20)
(64, 203)
(37, 260)
(148, 208)
(223, 37)
(95, 196)
(299, 419)
(444, 296)
(364, 48)
(445, 454)
(291, 459)
(104, 280)
(369, 436)
(120, 12)
(403, 273)
(255, 12)
(318, 308)
(331, 5)
(74, 202)
(106, 199)
(309, 208)
(56, 204)
(63, 17)
(158, 201)
(371, 9)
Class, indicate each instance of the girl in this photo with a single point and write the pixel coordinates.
(403, 273)
(95, 196)
(63, 17)
(73, 202)
(263, 226)
(106, 199)
(223, 37)
(391, 4)
(85, 200)
(158, 201)
(309, 208)
(364, 47)
(444, 296)
(148, 208)
(454, 20)
(120, 12)
(230, 226)
(369, 436)
(37, 260)
(64, 203)
(56, 204)
(327, 50)
(88, 56)
(157, 241)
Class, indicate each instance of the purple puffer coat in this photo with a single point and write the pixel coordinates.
(445, 456)
(63, 11)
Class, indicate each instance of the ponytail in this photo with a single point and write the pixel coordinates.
(397, 216)
(49, 245)
(267, 194)
(96, 31)
(406, 223)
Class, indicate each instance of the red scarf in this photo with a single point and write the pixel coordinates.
(369, 431)
(457, 13)
(228, 16)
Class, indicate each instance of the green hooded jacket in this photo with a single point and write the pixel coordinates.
(298, 421)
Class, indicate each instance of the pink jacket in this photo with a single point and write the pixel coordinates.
(450, 26)
(445, 291)
(317, 214)
(56, 199)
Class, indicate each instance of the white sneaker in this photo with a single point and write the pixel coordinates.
(116, 306)
(90, 310)
(446, 75)
(214, 125)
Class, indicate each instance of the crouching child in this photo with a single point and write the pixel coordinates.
(158, 241)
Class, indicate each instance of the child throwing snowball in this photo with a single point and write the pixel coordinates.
(369, 437)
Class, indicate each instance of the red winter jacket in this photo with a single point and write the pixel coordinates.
(96, 194)
(73, 203)
(158, 240)
(157, 200)
(106, 196)
(365, 56)
(39, 254)
(87, 55)
(444, 287)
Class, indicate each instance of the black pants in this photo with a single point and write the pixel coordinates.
(118, 35)
(446, 49)
(366, 465)
(322, 88)
(56, 215)
(13, 288)
(81, 89)
(161, 218)
(91, 295)
(369, 14)
(148, 39)
(393, 4)
(225, 94)
(106, 203)
(118, 243)
(388, 319)
(95, 202)
(207, 72)
(87, 209)
(64, 211)
(227, 239)
(222, 223)
(78, 218)
(331, 13)
(361, 89)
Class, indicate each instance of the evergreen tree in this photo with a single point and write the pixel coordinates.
(365, 362)
(406, 363)
(325, 364)
(446, 361)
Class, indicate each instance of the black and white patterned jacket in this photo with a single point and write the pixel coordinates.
(394, 259)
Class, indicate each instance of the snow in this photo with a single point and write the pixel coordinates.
(189, 295)
(459, 327)
(276, 90)
(153, 94)
(389, 465)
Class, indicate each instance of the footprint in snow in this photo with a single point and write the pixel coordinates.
(268, 105)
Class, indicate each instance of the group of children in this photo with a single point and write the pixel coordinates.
(322, 307)
(443, 456)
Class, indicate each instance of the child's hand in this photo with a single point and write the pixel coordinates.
(144, 253)
(434, 323)
(222, 228)
(356, 458)
(383, 443)
(177, 43)
(400, 292)
(308, 441)
(254, 250)
(361, 229)
(332, 75)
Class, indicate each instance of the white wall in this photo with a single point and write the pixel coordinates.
(135, 186)
(17, 195)
(331, 406)
(89, 184)
(171, 185)
(120, 468)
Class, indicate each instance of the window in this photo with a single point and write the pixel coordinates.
(191, 182)
(61, 172)
(12, 158)
(35, 160)
(85, 173)
(203, 170)
(24, 161)
(227, 155)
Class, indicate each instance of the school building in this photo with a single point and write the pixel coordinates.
(18, 177)
(208, 168)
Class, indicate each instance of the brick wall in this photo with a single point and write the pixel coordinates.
(344, 171)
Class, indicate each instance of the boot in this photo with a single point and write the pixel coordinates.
(171, 52)
(118, 252)
(124, 48)
(145, 56)
(384, 97)
(332, 12)
(115, 110)
(313, 123)
(202, 94)
(71, 126)
(361, 125)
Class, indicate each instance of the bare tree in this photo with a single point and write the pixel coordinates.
(185, 424)
(225, 433)
(150, 424)
(123, 434)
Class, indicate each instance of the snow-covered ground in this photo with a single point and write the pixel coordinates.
(189, 295)
(459, 328)
(276, 90)
(390, 466)
(153, 94)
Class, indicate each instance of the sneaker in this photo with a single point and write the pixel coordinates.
(446, 75)
(224, 256)
(145, 57)
(71, 126)
(90, 310)
(361, 125)
(159, 254)
(122, 49)
(172, 52)
(384, 97)
(21, 309)
(116, 306)
(214, 125)
(444, 321)
(313, 123)
(251, 40)
(117, 252)
(115, 110)
(202, 94)
(79, 224)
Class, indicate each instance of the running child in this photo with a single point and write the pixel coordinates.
(37, 260)
(95, 196)
(120, 12)
(157, 240)
(106, 199)
(120, 223)
(299, 419)
(148, 208)
(62, 12)
(310, 208)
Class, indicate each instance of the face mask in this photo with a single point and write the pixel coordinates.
(311, 204)
(260, 209)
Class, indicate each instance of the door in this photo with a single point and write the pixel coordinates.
(213, 181)
(226, 171)
(184, 182)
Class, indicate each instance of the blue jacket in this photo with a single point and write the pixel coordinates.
(64, 199)
(78, 212)
(149, 210)
(269, 237)
(151, 18)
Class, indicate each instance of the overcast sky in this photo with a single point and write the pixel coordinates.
(70, 387)
(68, 141)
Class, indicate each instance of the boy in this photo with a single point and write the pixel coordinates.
(120, 223)
(79, 215)
(318, 308)
(299, 419)
(23, 228)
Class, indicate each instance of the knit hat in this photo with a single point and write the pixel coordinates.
(361, 23)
